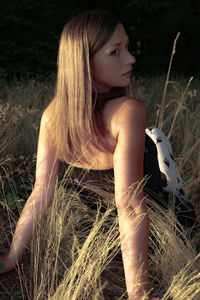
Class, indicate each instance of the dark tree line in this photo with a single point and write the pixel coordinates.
(30, 31)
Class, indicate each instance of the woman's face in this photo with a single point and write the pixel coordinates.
(111, 65)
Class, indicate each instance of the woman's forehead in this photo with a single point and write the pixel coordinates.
(118, 37)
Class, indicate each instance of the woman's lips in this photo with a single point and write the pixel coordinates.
(128, 73)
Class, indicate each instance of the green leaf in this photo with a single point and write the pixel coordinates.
(2, 267)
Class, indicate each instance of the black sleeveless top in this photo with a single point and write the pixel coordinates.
(105, 178)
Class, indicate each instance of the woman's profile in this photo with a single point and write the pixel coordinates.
(93, 125)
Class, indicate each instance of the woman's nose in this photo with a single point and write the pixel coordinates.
(133, 59)
(130, 58)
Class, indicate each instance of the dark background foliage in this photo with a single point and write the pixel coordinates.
(30, 32)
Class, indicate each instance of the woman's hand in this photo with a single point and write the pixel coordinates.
(142, 297)
(6, 264)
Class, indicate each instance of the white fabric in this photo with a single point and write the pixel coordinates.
(167, 164)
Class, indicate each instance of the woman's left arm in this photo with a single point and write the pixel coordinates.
(131, 206)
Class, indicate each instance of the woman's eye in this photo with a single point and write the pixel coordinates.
(115, 52)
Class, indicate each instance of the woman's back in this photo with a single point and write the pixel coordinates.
(110, 119)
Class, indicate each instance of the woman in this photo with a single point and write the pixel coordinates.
(92, 124)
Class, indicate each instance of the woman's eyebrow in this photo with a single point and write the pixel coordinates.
(120, 43)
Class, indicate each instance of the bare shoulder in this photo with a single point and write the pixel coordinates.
(46, 123)
(49, 112)
(123, 110)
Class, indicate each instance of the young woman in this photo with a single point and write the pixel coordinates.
(94, 126)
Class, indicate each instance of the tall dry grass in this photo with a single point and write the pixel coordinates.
(75, 252)
(180, 122)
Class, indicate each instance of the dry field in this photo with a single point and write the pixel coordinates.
(75, 252)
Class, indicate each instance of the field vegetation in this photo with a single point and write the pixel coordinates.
(75, 252)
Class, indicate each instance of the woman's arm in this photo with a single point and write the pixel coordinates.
(47, 171)
(132, 211)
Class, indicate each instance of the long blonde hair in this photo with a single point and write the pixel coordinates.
(77, 123)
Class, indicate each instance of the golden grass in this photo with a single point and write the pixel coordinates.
(75, 253)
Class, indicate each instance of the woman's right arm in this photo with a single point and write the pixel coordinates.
(47, 171)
